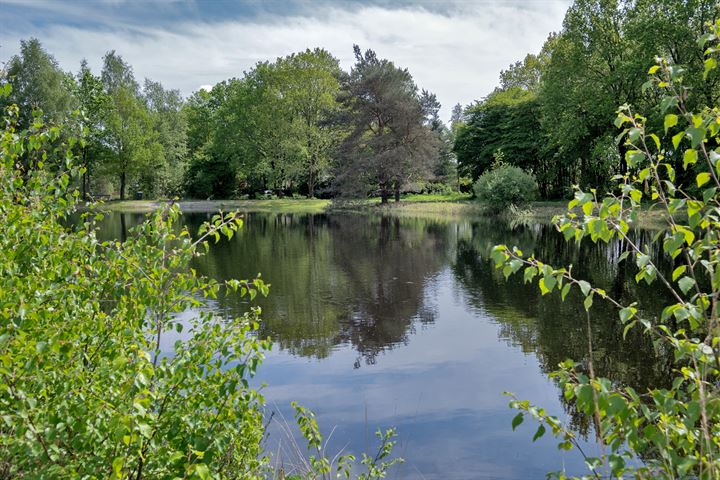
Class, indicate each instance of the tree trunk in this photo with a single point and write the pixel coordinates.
(397, 194)
(311, 185)
(122, 185)
(383, 195)
(622, 150)
(123, 228)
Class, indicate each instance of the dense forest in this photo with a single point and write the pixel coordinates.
(300, 125)
(551, 114)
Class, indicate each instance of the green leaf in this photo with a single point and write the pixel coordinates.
(678, 271)
(117, 466)
(710, 64)
(694, 206)
(696, 134)
(689, 158)
(539, 433)
(628, 327)
(670, 121)
(547, 283)
(517, 420)
(634, 134)
(627, 313)
(704, 39)
(529, 274)
(565, 291)
(584, 287)
(702, 178)
(677, 138)
(145, 429)
(686, 283)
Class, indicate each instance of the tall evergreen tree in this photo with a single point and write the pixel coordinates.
(389, 143)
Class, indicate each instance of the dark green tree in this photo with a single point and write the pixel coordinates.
(389, 143)
(507, 121)
(170, 124)
(129, 134)
(207, 173)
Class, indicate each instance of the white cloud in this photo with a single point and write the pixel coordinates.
(457, 55)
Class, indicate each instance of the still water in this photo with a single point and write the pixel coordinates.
(383, 321)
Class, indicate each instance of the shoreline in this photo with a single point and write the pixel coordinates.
(430, 206)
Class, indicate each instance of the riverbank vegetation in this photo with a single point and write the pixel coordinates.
(670, 432)
(300, 125)
(551, 113)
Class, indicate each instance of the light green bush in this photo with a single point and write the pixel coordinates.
(506, 185)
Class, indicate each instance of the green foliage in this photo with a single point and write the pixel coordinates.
(132, 143)
(110, 364)
(507, 120)
(319, 466)
(659, 433)
(165, 178)
(390, 141)
(267, 130)
(94, 105)
(553, 108)
(100, 374)
(505, 185)
(38, 83)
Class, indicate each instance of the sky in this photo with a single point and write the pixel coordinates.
(453, 48)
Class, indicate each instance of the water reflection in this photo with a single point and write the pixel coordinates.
(384, 321)
(556, 330)
(341, 280)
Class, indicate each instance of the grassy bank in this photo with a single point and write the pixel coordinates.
(453, 206)
(290, 205)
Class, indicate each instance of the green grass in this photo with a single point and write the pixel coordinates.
(290, 205)
(455, 206)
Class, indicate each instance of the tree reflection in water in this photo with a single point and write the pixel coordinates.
(365, 281)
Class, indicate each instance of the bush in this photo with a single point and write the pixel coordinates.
(91, 384)
(662, 433)
(506, 185)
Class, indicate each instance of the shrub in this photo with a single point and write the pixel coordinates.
(664, 433)
(90, 385)
(506, 185)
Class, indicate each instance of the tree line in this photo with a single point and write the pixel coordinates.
(299, 125)
(552, 112)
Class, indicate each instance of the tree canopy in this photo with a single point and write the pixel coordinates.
(390, 142)
(550, 113)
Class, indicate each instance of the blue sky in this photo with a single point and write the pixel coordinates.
(454, 48)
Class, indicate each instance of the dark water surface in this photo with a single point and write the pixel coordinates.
(380, 322)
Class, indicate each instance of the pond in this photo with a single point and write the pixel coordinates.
(403, 322)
